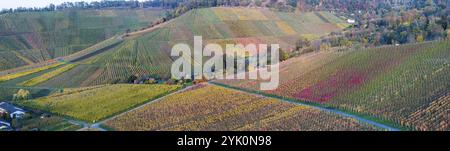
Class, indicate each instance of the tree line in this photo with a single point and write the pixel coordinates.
(378, 22)
(382, 22)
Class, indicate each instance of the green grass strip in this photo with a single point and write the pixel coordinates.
(47, 76)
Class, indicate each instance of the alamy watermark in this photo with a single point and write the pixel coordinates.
(252, 61)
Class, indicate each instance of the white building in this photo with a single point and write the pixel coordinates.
(351, 21)
(11, 110)
(4, 125)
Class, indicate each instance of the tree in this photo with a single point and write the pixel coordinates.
(324, 46)
(448, 34)
(301, 5)
(51, 7)
(4, 116)
(131, 79)
(316, 45)
(302, 43)
(244, 2)
(283, 56)
(292, 3)
(419, 38)
(435, 31)
(22, 95)
(258, 3)
(151, 81)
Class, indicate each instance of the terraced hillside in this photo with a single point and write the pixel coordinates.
(404, 85)
(30, 37)
(203, 108)
(147, 52)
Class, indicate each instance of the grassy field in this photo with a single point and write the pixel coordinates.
(97, 103)
(204, 108)
(393, 83)
(40, 36)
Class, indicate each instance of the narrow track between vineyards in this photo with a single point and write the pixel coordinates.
(335, 111)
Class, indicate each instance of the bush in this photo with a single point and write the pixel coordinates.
(22, 95)
(283, 55)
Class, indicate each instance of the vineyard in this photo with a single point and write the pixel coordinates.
(39, 74)
(93, 50)
(27, 72)
(77, 64)
(52, 123)
(128, 58)
(97, 103)
(229, 23)
(204, 108)
(40, 36)
(400, 84)
(9, 59)
(433, 116)
(148, 53)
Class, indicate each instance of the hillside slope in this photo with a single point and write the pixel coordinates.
(147, 53)
(407, 85)
(30, 37)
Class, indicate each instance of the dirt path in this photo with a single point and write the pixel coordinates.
(147, 30)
